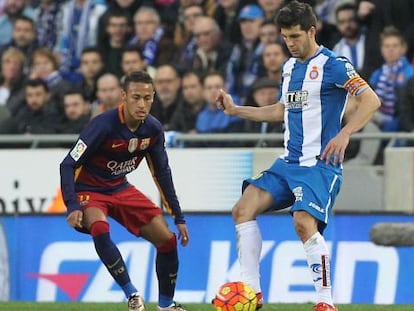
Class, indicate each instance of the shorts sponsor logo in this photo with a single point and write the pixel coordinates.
(317, 207)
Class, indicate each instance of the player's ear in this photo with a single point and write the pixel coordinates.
(312, 31)
(123, 95)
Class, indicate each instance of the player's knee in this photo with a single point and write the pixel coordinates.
(241, 213)
(169, 245)
(99, 227)
(305, 225)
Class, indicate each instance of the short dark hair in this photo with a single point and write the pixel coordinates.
(213, 74)
(137, 76)
(268, 21)
(192, 72)
(347, 6)
(133, 49)
(26, 19)
(76, 91)
(36, 83)
(296, 13)
(92, 49)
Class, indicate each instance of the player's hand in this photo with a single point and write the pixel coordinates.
(225, 102)
(335, 149)
(75, 219)
(183, 235)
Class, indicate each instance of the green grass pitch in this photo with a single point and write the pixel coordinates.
(79, 306)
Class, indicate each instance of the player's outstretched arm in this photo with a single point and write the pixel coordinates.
(271, 113)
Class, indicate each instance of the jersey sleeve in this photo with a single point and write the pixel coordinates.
(345, 76)
(87, 142)
(157, 160)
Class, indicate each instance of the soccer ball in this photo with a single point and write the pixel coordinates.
(235, 296)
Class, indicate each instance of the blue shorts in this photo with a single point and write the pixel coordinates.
(311, 189)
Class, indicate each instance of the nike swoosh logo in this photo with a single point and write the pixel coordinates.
(117, 145)
(113, 265)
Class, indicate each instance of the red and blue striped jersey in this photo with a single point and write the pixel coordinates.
(106, 151)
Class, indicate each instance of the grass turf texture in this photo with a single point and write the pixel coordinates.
(78, 306)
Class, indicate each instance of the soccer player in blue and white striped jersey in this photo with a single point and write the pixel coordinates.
(315, 88)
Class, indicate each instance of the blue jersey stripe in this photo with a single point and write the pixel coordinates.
(315, 97)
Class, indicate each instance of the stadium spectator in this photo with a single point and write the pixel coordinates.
(375, 16)
(129, 7)
(77, 112)
(77, 30)
(207, 5)
(150, 37)
(211, 119)
(185, 116)
(39, 114)
(47, 18)
(12, 9)
(263, 92)
(183, 35)
(245, 63)
(112, 46)
(226, 15)
(91, 67)
(46, 67)
(270, 8)
(108, 94)
(352, 43)
(269, 33)
(133, 60)
(169, 11)
(213, 52)
(388, 80)
(11, 81)
(167, 84)
(274, 55)
(24, 39)
(326, 32)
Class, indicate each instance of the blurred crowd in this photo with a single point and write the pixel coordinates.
(63, 61)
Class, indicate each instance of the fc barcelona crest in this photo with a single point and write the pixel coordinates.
(145, 142)
(132, 145)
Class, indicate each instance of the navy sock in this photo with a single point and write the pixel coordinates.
(166, 267)
(111, 257)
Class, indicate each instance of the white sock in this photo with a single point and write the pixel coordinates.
(318, 261)
(249, 246)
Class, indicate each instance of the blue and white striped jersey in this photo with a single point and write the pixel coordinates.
(315, 95)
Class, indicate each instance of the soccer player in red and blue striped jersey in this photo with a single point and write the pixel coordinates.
(94, 187)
